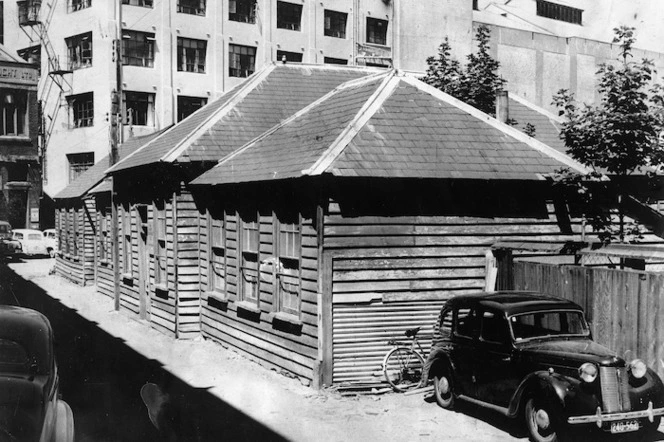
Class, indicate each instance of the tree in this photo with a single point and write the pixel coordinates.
(620, 135)
(475, 83)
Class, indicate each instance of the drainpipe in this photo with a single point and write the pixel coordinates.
(502, 106)
(116, 138)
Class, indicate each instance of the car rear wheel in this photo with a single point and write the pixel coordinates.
(543, 423)
(442, 389)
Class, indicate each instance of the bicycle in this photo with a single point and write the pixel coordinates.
(403, 364)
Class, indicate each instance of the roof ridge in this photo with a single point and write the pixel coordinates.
(297, 114)
(229, 105)
(364, 114)
(505, 128)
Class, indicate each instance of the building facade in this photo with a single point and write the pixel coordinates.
(20, 177)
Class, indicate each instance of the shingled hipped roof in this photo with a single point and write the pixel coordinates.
(390, 126)
(95, 174)
(268, 97)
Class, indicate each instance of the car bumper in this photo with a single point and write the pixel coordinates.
(600, 418)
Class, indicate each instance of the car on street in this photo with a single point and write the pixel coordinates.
(30, 404)
(51, 241)
(8, 246)
(531, 355)
(32, 241)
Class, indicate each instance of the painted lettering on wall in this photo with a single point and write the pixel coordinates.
(18, 75)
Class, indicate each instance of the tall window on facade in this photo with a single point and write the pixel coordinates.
(191, 55)
(241, 60)
(195, 7)
(104, 225)
(217, 255)
(138, 48)
(160, 264)
(144, 3)
(295, 57)
(81, 109)
(559, 12)
(126, 240)
(243, 11)
(77, 5)
(139, 108)
(76, 232)
(376, 31)
(79, 51)
(335, 24)
(249, 243)
(14, 112)
(331, 60)
(289, 280)
(289, 16)
(62, 230)
(28, 12)
(189, 105)
(79, 163)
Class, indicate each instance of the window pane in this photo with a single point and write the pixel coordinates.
(289, 16)
(243, 11)
(376, 31)
(241, 60)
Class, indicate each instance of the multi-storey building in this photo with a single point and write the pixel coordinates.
(20, 183)
(179, 54)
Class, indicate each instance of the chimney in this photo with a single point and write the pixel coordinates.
(502, 106)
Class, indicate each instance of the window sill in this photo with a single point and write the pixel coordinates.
(24, 138)
(127, 277)
(161, 291)
(249, 307)
(287, 318)
(217, 300)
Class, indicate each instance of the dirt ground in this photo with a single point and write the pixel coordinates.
(288, 409)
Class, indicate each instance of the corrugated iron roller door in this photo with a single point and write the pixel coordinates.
(361, 332)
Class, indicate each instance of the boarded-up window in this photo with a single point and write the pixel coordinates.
(289, 246)
(249, 245)
(126, 240)
(161, 269)
(217, 255)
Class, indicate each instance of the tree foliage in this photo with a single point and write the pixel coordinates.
(618, 136)
(475, 83)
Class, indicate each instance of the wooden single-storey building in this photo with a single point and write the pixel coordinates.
(357, 217)
(159, 221)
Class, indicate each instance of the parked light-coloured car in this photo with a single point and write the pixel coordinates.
(51, 241)
(32, 241)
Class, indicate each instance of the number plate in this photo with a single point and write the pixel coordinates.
(624, 426)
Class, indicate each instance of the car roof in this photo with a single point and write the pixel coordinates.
(27, 231)
(29, 328)
(5, 223)
(513, 302)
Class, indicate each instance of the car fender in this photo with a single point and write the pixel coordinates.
(64, 423)
(437, 360)
(554, 386)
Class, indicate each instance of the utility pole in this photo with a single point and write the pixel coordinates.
(116, 139)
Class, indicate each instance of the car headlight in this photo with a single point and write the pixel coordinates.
(638, 368)
(588, 372)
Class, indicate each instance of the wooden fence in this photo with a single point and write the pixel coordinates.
(623, 306)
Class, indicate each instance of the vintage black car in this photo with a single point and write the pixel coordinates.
(533, 355)
(30, 407)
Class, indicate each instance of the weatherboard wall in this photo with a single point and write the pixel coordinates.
(76, 231)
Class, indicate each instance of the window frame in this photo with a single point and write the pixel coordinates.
(141, 3)
(372, 36)
(142, 45)
(241, 70)
(14, 110)
(556, 11)
(248, 7)
(291, 57)
(82, 110)
(77, 5)
(217, 254)
(288, 229)
(160, 245)
(139, 99)
(331, 18)
(249, 259)
(186, 103)
(191, 54)
(126, 240)
(82, 162)
(79, 51)
(287, 13)
(192, 10)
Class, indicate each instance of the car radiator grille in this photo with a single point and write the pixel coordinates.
(614, 382)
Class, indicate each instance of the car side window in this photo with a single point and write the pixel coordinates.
(445, 324)
(468, 324)
(495, 328)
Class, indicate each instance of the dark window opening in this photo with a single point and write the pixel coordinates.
(377, 31)
(82, 109)
(243, 11)
(77, 5)
(139, 108)
(79, 163)
(289, 16)
(295, 57)
(331, 60)
(189, 105)
(241, 60)
(194, 7)
(28, 12)
(144, 3)
(335, 24)
(191, 55)
(559, 12)
(79, 51)
(138, 48)
(14, 107)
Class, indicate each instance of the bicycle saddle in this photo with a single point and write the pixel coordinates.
(412, 331)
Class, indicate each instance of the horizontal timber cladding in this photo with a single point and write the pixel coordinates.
(399, 250)
(245, 305)
(76, 230)
(361, 332)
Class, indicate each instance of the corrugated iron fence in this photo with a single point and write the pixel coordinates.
(623, 306)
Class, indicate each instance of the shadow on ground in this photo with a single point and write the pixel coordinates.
(101, 378)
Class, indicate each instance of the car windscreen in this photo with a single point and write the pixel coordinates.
(12, 354)
(548, 324)
(4, 228)
(18, 235)
(35, 236)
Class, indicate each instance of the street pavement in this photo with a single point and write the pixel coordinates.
(105, 357)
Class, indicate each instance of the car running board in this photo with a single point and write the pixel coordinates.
(498, 408)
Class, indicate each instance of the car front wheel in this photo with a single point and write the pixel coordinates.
(542, 421)
(442, 388)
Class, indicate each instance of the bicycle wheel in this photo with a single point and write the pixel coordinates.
(402, 368)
